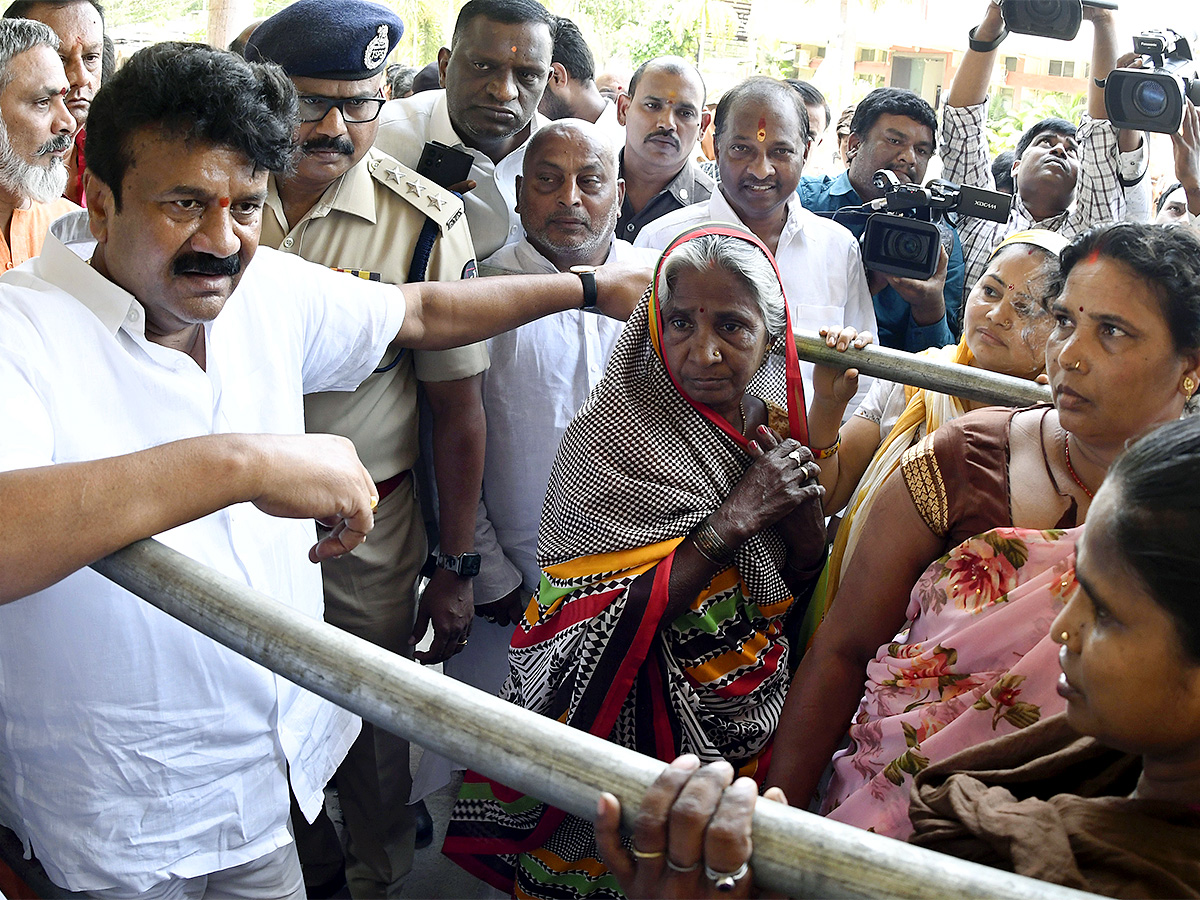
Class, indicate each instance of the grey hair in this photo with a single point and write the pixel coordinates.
(738, 257)
(16, 37)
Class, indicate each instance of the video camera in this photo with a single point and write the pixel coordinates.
(902, 236)
(1058, 19)
(1153, 99)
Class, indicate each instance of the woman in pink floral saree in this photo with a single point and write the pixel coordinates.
(975, 661)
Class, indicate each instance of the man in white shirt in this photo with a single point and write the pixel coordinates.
(571, 92)
(157, 391)
(569, 197)
(761, 138)
(493, 73)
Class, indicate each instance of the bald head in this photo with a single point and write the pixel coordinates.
(569, 195)
(675, 66)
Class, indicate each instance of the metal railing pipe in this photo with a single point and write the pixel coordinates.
(795, 852)
(908, 368)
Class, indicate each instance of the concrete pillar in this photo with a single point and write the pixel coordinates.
(226, 18)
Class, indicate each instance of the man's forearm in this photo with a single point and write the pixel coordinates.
(94, 508)
(459, 438)
(449, 314)
(970, 86)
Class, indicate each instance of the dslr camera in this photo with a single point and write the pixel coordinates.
(902, 235)
(1058, 19)
(1153, 99)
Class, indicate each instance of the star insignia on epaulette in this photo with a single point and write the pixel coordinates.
(414, 187)
(435, 202)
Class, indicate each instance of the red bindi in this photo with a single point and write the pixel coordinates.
(224, 201)
(762, 129)
(702, 309)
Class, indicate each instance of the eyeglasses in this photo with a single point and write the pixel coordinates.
(355, 110)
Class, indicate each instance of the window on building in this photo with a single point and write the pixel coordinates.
(1010, 64)
(866, 54)
(1055, 68)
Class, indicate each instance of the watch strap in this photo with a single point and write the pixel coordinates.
(588, 278)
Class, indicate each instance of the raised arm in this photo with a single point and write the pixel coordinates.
(970, 87)
(93, 508)
(448, 314)
(896, 547)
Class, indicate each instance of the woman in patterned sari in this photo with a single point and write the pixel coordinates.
(681, 522)
(966, 554)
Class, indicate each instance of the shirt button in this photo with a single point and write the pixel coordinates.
(683, 195)
(133, 315)
(287, 242)
(629, 227)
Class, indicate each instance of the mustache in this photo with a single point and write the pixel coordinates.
(57, 144)
(662, 133)
(338, 143)
(206, 264)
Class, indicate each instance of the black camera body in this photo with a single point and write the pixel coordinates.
(1058, 19)
(1154, 99)
(904, 238)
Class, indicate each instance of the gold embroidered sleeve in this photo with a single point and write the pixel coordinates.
(925, 484)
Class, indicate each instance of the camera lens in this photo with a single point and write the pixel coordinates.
(1149, 98)
(906, 246)
(1043, 11)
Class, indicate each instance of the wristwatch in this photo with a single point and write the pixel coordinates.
(465, 565)
(587, 274)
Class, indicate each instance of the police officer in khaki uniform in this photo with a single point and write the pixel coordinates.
(356, 209)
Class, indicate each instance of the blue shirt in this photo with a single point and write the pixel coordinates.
(894, 316)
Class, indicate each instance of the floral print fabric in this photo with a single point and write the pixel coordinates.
(974, 661)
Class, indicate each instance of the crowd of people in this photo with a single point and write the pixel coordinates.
(530, 327)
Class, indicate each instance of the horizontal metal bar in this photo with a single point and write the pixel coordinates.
(795, 852)
(908, 368)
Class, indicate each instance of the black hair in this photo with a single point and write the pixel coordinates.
(1162, 198)
(890, 101)
(1002, 171)
(507, 12)
(20, 9)
(194, 92)
(672, 65)
(812, 97)
(761, 87)
(1053, 124)
(1165, 259)
(571, 50)
(1157, 516)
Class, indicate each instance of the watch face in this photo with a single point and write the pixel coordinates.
(468, 564)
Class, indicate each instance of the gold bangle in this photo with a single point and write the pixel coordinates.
(828, 451)
(710, 545)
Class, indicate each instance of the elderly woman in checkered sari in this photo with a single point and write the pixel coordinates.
(683, 521)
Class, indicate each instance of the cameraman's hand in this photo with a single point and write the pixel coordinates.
(927, 297)
(1186, 146)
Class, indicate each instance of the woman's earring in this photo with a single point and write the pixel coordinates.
(1189, 385)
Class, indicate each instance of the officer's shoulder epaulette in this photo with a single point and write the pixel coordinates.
(428, 197)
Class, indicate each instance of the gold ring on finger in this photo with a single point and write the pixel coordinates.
(642, 854)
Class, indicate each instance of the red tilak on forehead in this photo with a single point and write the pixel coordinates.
(224, 201)
(762, 129)
(1094, 255)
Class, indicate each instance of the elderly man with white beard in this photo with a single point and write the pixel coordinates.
(36, 131)
(569, 198)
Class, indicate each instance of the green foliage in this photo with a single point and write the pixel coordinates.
(1006, 124)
